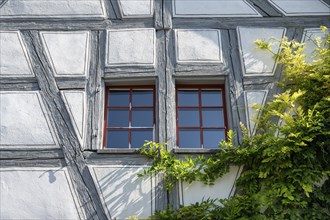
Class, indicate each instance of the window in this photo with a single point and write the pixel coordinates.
(129, 116)
(201, 116)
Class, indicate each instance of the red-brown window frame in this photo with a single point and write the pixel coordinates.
(199, 88)
(130, 89)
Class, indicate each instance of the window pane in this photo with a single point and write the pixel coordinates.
(189, 138)
(142, 117)
(138, 137)
(187, 98)
(212, 117)
(142, 98)
(212, 137)
(118, 98)
(211, 98)
(117, 139)
(118, 117)
(188, 117)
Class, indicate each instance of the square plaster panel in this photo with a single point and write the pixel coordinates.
(68, 51)
(301, 7)
(198, 46)
(53, 9)
(256, 61)
(14, 59)
(130, 47)
(252, 98)
(213, 8)
(24, 121)
(190, 193)
(123, 193)
(136, 8)
(310, 38)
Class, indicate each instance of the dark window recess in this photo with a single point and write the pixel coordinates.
(201, 116)
(129, 116)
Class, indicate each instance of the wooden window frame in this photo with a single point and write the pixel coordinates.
(200, 88)
(130, 109)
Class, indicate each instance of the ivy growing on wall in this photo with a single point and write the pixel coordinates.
(286, 163)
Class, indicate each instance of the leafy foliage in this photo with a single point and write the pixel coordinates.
(286, 164)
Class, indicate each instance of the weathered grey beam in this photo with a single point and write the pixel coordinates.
(265, 8)
(30, 154)
(94, 92)
(232, 23)
(83, 183)
(108, 157)
(161, 121)
(161, 87)
(33, 163)
(203, 23)
(235, 81)
(137, 75)
(18, 84)
(221, 69)
(71, 83)
(158, 14)
(170, 90)
(167, 14)
(130, 69)
(69, 25)
(115, 9)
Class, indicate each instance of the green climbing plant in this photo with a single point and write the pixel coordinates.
(286, 163)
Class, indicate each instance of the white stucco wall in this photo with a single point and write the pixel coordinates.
(14, 60)
(198, 46)
(256, 61)
(24, 121)
(123, 193)
(37, 193)
(197, 191)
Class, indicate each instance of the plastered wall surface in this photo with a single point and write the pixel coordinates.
(37, 193)
(58, 57)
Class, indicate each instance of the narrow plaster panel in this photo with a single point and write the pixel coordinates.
(53, 9)
(253, 98)
(256, 61)
(14, 60)
(68, 52)
(198, 46)
(213, 8)
(310, 37)
(136, 8)
(123, 193)
(301, 7)
(190, 193)
(23, 121)
(37, 193)
(75, 103)
(129, 47)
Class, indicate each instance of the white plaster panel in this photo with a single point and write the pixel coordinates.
(253, 98)
(75, 103)
(123, 193)
(128, 47)
(36, 193)
(23, 121)
(213, 8)
(198, 46)
(257, 61)
(310, 37)
(67, 51)
(14, 60)
(197, 191)
(52, 9)
(301, 7)
(136, 8)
